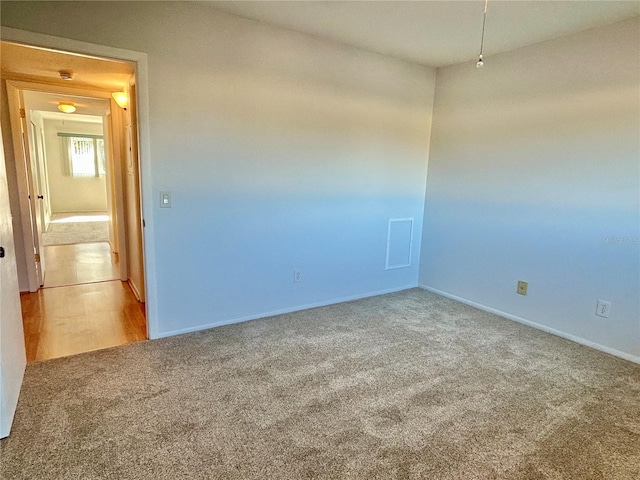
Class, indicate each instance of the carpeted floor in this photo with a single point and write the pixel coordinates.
(70, 228)
(402, 386)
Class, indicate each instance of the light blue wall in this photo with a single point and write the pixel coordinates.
(533, 173)
(286, 152)
(282, 152)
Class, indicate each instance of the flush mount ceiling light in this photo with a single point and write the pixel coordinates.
(122, 99)
(66, 74)
(480, 63)
(66, 107)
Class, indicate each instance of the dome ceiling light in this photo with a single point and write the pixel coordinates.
(66, 107)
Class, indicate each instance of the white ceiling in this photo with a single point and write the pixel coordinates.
(71, 117)
(41, 65)
(435, 33)
(48, 102)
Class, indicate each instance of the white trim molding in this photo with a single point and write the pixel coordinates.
(537, 326)
(283, 311)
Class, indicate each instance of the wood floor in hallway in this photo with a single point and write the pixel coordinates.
(79, 263)
(68, 320)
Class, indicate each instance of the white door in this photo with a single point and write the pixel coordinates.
(13, 358)
(26, 191)
(37, 195)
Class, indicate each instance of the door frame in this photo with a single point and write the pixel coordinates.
(25, 180)
(139, 59)
(26, 177)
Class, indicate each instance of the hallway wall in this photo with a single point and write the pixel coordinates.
(72, 194)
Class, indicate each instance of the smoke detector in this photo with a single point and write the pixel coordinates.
(66, 75)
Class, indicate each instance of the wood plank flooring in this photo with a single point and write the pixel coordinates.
(79, 263)
(68, 320)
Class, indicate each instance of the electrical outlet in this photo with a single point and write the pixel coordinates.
(602, 310)
(522, 287)
(297, 276)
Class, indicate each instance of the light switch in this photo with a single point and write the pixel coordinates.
(165, 199)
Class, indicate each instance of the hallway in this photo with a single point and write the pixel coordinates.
(69, 320)
(83, 305)
(79, 263)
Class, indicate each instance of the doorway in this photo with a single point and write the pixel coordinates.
(68, 158)
(81, 214)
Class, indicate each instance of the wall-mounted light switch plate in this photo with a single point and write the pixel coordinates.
(165, 199)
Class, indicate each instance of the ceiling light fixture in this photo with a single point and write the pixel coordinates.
(66, 74)
(122, 99)
(66, 107)
(480, 63)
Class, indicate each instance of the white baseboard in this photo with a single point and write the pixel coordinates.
(538, 326)
(281, 311)
(134, 289)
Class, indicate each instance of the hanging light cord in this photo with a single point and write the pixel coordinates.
(484, 22)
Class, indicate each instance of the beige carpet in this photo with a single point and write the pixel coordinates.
(66, 229)
(402, 386)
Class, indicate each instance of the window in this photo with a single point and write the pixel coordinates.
(100, 147)
(84, 154)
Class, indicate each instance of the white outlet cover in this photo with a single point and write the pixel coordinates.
(603, 308)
